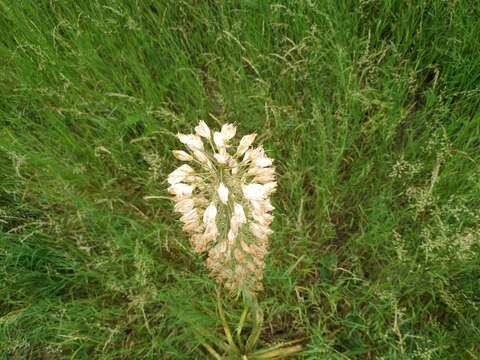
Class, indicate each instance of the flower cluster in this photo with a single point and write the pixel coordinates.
(223, 198)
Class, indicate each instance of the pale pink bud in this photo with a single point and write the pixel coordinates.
(262, 205)
(223, 193)
(211, 232)
(182, 155)
(232, 235)
(260, 231)
(190, 216)
(239, 213)
(184, 205)
(210, 213)
(198, 243)
(247, 156)
(191, 226)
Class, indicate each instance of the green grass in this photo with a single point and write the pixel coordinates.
(371, 110)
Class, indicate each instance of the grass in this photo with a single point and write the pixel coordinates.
(371, 110)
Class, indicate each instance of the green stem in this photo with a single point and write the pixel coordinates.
(243, 317)
(279, 353)
(257, 326)
(211, 351)
(279, 346)
(226, 328)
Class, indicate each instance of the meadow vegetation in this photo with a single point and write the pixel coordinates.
(370, 109)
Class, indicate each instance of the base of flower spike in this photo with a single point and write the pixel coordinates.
(239, 348)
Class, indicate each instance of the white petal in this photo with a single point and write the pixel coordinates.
(202, 129)
(218, 139)
(180, 189)
(263, 162)
(210, 213)
(228, 131)
(179, 174)
(245, 143)
(239, 213)
(222, 157)
(182, 155)
(211, 232)
(270, 187)
(254, 192)
(194, 142)
(200, 156)
(223, 193)
(184, 205)
(231, 236)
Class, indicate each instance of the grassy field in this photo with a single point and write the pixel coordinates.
(370, 108)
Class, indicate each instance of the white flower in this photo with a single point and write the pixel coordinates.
(182, 155)
(245, 143)
(222, 157)
(219, 140)
(179, 174)
(210, 213)
(190, 216)
(239, 213)
(270, 187)
(192, 141)
(254, 192)
(223, 193)
(228, 131)
(181, 189)
(200, 156)
(202, 129)
(184, 205)
(260, 231)
(211, 232)
(263, 162)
